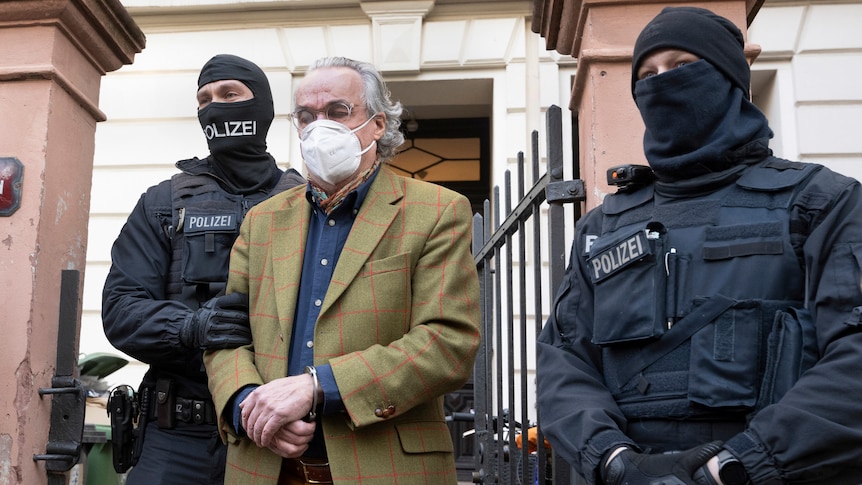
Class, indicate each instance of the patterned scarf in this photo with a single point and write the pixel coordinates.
(331, 202)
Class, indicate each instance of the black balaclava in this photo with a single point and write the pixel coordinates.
(696, 115)
(236, 132)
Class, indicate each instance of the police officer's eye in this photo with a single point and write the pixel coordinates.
(229, 95)
(647, 74)
(681, 63)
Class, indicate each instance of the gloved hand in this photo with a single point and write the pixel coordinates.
(221, 323)
(632, 468)
(702, 476)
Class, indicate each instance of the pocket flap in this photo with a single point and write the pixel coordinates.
(425, 437)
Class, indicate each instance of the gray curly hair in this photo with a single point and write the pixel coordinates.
(376, 97)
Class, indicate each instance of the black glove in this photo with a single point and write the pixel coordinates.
(221, 323)
(633, 468)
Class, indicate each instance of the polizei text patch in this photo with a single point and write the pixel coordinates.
(615, 258)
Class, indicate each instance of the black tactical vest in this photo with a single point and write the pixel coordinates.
(689, 290)
(205, 224)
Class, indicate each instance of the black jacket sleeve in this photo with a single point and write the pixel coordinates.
(814, 433)
(578, 413)
(137, 316)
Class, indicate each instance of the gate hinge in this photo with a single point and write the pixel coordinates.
(68, 401)
(68, 405)
(565, 191)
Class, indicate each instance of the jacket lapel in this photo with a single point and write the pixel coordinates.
(289, 233)
(375, 216)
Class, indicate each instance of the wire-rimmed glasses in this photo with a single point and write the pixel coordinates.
(339, 112)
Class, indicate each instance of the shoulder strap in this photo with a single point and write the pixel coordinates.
(704, 313)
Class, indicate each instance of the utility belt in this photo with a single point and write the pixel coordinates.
(168, 408)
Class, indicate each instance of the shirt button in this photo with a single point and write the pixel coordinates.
(331, 222)
(309, 344)
(318, 303)
(324, 262)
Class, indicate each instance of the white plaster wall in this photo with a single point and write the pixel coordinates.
(814, 50)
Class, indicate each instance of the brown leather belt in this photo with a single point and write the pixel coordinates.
(311, 470)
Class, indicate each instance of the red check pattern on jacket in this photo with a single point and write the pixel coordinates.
(400, 326)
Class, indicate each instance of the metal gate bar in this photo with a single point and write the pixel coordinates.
(496, 459)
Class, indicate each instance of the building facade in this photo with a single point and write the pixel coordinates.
(462, 69)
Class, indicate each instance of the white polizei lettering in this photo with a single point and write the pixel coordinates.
(597, 265)
(607, 263)
(197, 222)
(243, 128)
(622, 254)
(589, 239)
(231, 128)
(616, 257)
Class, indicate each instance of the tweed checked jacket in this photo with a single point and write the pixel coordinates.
(399, 325)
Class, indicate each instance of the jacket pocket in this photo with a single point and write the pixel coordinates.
(424, 437)
(630, 285)
(377, 306)
(791, 350)
(725, 358)
(207, 241)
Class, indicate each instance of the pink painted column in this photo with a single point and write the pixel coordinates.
(53, 54)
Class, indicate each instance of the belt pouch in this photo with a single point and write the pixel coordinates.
(166, 418)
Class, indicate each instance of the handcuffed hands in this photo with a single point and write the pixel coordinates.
(292, 439)
(275, 405)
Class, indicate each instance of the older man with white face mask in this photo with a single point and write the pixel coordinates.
(337, 131)
(364, 306)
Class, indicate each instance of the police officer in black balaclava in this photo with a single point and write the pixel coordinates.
(708, 328)
(694, 117)
(236, 130)
(163, 300)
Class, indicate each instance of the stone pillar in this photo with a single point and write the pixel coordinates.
(601, 35)
(53, 56)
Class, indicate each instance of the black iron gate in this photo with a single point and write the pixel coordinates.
(521, 262)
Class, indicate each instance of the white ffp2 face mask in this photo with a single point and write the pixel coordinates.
(332, 151)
